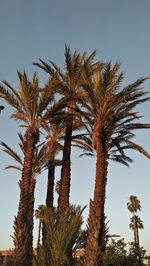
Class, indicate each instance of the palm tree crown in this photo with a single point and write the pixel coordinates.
(136, 220)
(133, 204)
(111, 113)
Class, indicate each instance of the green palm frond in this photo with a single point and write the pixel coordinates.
(125, 160)
(29, 92)
(133, 204)
(26, 101)
(112, 110)
(136, 220)
(40, 157)
(64, 235)
(47, 95)
(11, 153)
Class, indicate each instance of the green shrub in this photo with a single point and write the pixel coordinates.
(63, 237)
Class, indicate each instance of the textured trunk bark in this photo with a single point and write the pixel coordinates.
(23, 236)
(50, 193)
(138, 243)
(95, 246)
(135, 236)
(50, 185)
(135, 231)
(63, 199)
(138, 255)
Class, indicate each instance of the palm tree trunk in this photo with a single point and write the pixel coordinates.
(63, 199)
(135, 235)
(138, 255)
(50, 193)
(138, 243)
(23, 235)
(95, 246)
(50, 184)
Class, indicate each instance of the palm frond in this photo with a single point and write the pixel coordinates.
(11, 153)
(10, 98)
(14, 167)
(46, 67)
(138, 148)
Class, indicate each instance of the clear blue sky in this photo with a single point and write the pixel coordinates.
(118, 30)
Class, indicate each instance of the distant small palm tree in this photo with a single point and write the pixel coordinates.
(39, 213)
(57, 187)
(136, 223)
(133, 204)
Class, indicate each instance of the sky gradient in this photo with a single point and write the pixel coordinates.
(118, 30)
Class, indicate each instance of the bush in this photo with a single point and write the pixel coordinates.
(63, 236)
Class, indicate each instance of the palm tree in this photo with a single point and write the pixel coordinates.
(57, 186)
(30, 103)
(134, 206)
(68, 85)
(135, 225)
(55, 134)
(44, 158)
(39, 215)
(110, 113)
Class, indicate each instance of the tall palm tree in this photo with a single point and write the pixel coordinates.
(68, 85)
(110, 112)
(135, 225)
(30, 103)
(134, 206)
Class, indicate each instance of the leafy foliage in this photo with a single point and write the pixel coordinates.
(9, 261)
(110, 111)
(90, 99)
(117, 254)
(133, 204)
(64, 236)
